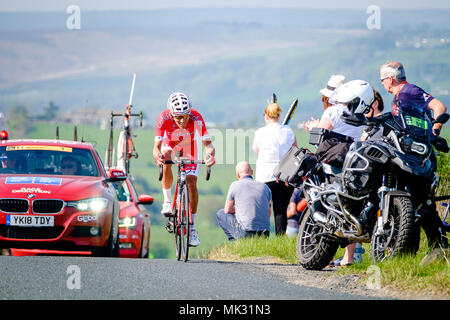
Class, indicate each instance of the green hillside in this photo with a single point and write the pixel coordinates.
(225, 68)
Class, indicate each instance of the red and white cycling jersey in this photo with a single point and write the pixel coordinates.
(177, 139)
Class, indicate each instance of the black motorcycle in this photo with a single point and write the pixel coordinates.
(377, 193)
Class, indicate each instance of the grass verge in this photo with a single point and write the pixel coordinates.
(401, 274)
(279, 247)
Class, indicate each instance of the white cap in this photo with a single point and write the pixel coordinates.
(334, 82)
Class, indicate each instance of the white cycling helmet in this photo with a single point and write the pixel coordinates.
(179, 104)
(357, 95)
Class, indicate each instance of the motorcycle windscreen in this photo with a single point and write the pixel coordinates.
(415, 121)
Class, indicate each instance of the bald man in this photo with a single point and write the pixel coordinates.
(247, 208)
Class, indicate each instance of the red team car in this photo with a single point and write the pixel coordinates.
(134, 222)
(56, 195)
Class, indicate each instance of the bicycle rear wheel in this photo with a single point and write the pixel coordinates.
(176, 232)
(122, 152)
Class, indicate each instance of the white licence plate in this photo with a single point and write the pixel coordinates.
(30, 221)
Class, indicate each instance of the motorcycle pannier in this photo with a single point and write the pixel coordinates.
(296, 163)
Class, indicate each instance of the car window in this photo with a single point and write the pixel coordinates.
(55, 160)
(123, 192)
(133, 189)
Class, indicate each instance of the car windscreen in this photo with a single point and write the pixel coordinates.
(44, 159)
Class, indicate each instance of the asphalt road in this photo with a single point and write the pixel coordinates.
(89, 278)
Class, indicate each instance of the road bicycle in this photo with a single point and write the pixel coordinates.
(125, 145)
(181, 217)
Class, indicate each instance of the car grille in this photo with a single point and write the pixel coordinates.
(14, 205)
(14, 232)
(47, 206)
(41, 206)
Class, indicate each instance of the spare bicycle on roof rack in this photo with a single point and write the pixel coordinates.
(125, 145)
(134, 221)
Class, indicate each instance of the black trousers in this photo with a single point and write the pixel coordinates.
(280, 200)
(432, 225)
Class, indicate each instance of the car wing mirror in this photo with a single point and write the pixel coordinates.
(145, 199)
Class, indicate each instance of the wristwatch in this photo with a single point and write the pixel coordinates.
(436, 131)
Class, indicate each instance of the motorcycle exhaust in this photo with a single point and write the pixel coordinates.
(353, 221)
(320, 218)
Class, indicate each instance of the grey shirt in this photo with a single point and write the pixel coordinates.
(251, 203)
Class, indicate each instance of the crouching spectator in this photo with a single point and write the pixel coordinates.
(247, 208)
(297, 205)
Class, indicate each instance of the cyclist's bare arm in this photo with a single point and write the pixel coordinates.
(157, 152)
(209, 148)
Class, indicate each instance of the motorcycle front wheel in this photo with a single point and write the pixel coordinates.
(313, 253)
(400, 232)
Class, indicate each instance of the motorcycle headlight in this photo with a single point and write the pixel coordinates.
(93, 204)
(409, 145)
(419, 148)
(406, 143)
(127, 222)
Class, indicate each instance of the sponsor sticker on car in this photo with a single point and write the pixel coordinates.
(34, 180)
(30, 221)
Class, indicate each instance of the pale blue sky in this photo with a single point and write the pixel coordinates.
(56, 5)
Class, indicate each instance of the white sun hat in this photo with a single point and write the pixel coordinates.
(334, 82)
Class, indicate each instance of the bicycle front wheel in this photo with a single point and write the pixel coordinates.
(176, 231)
(184, 223)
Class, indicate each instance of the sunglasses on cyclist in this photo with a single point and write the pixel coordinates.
(178, 118)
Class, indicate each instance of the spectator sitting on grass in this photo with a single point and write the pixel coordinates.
(247, 208)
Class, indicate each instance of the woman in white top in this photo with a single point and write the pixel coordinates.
(331, 117)
(331, 120)
(271, 143)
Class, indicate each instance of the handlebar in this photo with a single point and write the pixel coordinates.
(183, 162)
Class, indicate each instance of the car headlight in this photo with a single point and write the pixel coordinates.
(127, 222)
(93, 204)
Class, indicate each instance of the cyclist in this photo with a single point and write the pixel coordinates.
(176, 131)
